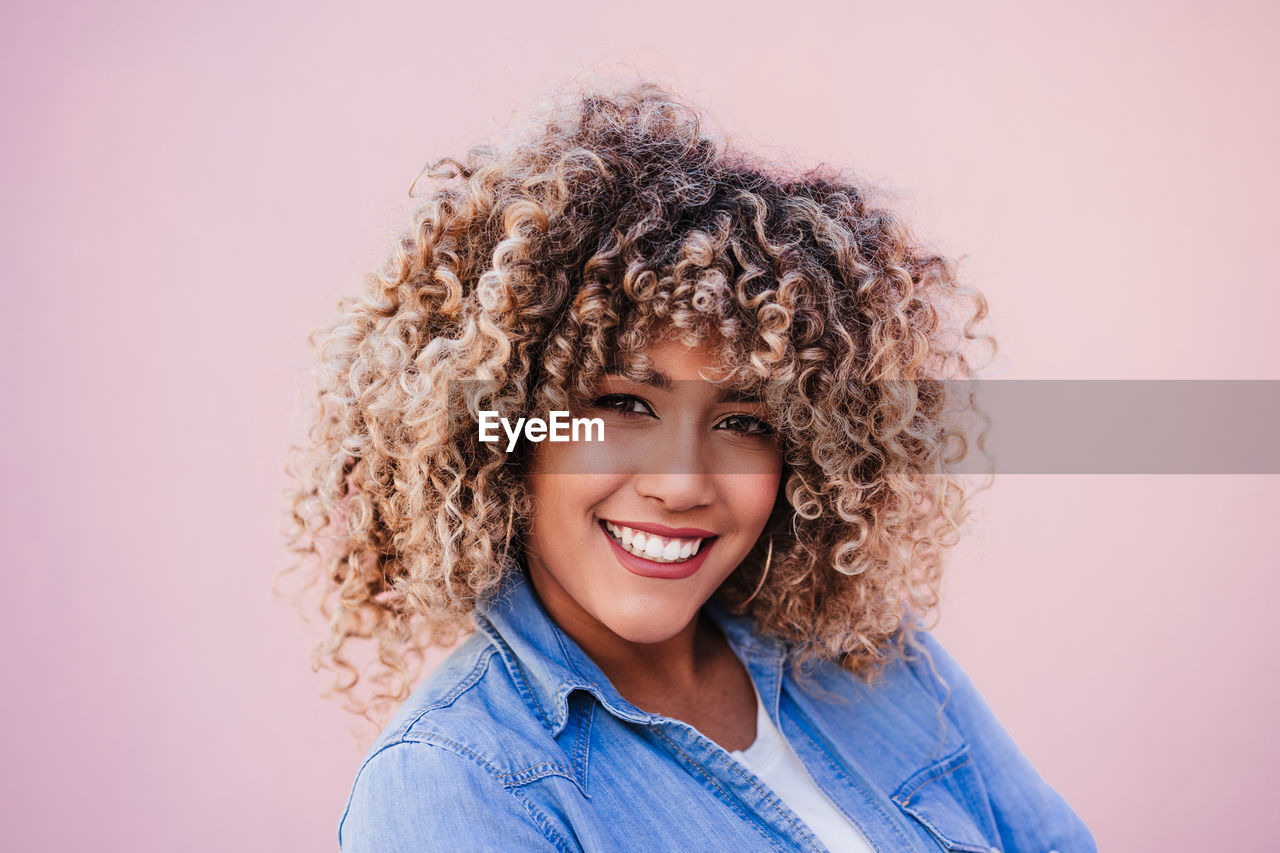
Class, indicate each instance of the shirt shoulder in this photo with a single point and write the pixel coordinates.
(897, 699)
(447, 769)
(412, 796)
(444, 693)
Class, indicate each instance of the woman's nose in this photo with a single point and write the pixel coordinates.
(676, 473)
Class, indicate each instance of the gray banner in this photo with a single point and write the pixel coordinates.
(1129, 427)
(1030, 426)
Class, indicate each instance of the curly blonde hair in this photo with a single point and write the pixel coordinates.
(537, 267)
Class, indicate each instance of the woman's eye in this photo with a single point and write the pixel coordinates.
(623, 404)
(746, 425)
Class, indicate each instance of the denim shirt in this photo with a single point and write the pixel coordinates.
(518, 741)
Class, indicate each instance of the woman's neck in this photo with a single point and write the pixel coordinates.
(676, 662)
(693, 675)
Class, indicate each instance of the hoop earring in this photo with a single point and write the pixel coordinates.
(759, 586)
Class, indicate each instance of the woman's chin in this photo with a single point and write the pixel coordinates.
(647, 625)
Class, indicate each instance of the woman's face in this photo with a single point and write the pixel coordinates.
(676, 496)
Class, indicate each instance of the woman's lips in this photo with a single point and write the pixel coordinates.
(663, 530)
(652, 569)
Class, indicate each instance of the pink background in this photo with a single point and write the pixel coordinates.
(187, 190)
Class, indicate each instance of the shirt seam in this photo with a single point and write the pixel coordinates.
(584, 742)
(515, 778)
(540, 820)
(905, 803)
(724, 795)
(771, 797)
(963, 750)
(471, 679)
(834, 766)
(524, 684)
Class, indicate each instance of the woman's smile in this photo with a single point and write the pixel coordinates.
(652, 556)
(657, 542)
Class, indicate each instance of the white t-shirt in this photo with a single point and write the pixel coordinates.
(772, 759)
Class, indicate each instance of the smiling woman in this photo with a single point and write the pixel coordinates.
(707, 630)
(623, 560)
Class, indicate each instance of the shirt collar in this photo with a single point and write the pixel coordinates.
(548, 666)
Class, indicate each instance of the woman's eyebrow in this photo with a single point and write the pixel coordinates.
(658, 379)
(653, 378)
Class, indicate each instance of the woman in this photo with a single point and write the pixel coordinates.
(701, 627)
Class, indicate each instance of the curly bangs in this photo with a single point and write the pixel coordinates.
(536, 267)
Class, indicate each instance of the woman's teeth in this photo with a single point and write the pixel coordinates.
(660, 549)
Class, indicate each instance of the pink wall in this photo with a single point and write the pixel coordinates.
(188, 188)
